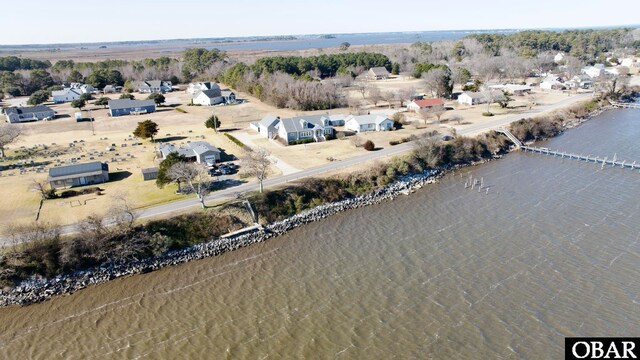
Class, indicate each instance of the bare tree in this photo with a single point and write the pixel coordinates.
(123, 214)
(457, 118)
(426, 114)
(438, 111)
(489, 96)
(438, 82)
(195, 175)
(40, 187)
(256, 164)
(573, 66)
(374, 95)
(361, 89)
(356, 141)
(33, 232)
(405, 94)
(8, 135)
(389, 97)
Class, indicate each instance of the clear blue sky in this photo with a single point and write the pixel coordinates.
(47, 21)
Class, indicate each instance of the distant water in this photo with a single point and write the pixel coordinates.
(298, 42)
(316, 42)
(552, 251)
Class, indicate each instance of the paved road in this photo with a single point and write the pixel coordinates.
(180, 205)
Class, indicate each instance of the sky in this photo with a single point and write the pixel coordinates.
(53, 22)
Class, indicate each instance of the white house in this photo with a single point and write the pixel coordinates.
(552, 83)
(417, 105)
(580, 82)
(194, 88)
(558, 58)
(630, 62)
(267, 127)
(65, 95)
(475, 98)
(208, 97)
(594, 71)
(363, 123)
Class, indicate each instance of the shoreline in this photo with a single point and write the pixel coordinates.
(39, 290)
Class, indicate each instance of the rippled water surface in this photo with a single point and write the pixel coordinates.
(551, 251)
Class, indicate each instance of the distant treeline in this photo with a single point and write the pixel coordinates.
(324, 65)
(12, 63)
(583, 44)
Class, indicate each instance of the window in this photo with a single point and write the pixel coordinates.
(306, 134)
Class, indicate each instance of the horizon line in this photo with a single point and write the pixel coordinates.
(598, 27)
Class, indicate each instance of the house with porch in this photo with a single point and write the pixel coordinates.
(121, 107)
(78, 175)
(364, 123)
(228, 96)
(301, 128)
(29, 113)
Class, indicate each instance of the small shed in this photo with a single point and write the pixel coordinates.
(150, 173)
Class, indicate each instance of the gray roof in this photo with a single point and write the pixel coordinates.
(301, 123)
(497, 94)
(150, 170)
(213, 93)
(86, 168)
(208, 85)
(200, 147)
(64, 92)
(367, 119)
(27, 110)
(269, 121)
(380, 70)
(154, 83)
(189, 150)
(127, 104)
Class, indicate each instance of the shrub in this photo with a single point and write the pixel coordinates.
(394, 142)
(181, 110)
(301, 141)
(369, 145)
(487, 114)
(237, 142)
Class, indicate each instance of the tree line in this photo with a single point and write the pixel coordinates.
(583, 44)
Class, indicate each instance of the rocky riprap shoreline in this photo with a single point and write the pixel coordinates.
(37, 290)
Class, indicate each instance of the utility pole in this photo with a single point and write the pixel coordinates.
(93, 130)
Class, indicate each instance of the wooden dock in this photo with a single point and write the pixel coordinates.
(595, 159)
(625, 105)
